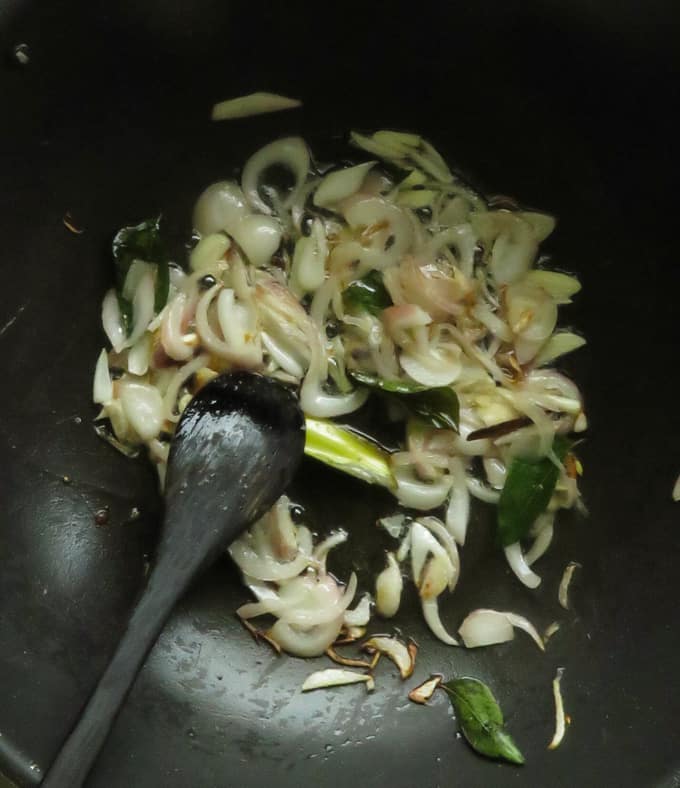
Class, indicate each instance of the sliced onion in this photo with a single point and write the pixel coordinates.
(309, 260)
(389, 585)
(113, 411)
(394, 525)
(311, 642)
(139, 356)
(209, 251)
(339, 185)
(479, 490)
(522, 623)
(447, 541)
(550, 630)
(423, 542)
(439, 294)
(323, 603)
(259, 237)
(375, 212)
(134, 276)
(283, 535)
(102, 389)
(281, 356)
(518, 564)
(361, 615)
(327, 294)
(458, 510)
(323, 548)
(560, 286)
(495, 324)
(487, 627)
(400, 319)
(560, 717)
(349, 662)
(336, 677)
(532, 315)
(313, 399)
(441, 366)
(437, 575)
(404, 548)
(248, 355)
(253, 104)
(514, 243)
(463, 239)
(178, 379)
(423, 692)
(237, 322)
(142, 307)
(542, 224)
(496, 472)
(416, 494)
(143, 408)
(289, 152)
(563, 592)
(559, 344)
(393, 649)
(159, 450)
(220, 207)
(112, 321)
(172, 328)
(266, 567)
(430, 609)
(540, 545)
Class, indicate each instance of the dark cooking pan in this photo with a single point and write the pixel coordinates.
(567, 106)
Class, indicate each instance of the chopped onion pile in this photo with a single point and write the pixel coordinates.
(366, 280)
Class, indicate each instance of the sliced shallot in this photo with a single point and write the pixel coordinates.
(388, 588)
(102, 389)
(563, 591)
(394, 649)
(335, 677)
(485, 627)
(517, 562)
(560, 717)
(423, 692)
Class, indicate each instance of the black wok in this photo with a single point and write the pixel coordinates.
(569, 107)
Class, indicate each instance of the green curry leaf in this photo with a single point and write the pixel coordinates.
(438, 406)
(526, 493)
(367, 295)
(481, 719)
(141, 242)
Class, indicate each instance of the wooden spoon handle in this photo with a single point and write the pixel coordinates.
(83, 744)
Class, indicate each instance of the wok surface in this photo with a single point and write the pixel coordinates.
(569, 109)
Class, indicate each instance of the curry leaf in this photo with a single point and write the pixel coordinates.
(481, 719)
(138, 242)
(141, 242)
(367, 295)
(526, 493)
(390, 386)
(438, 406)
